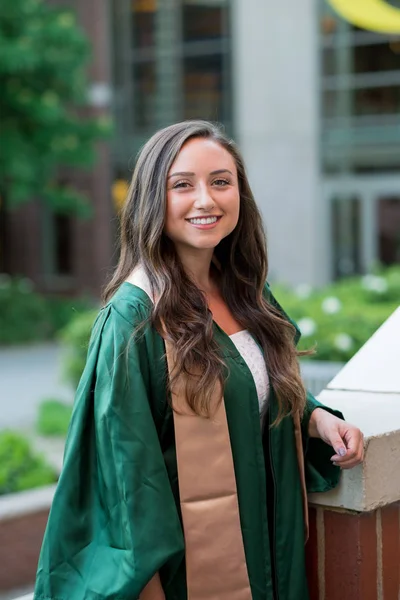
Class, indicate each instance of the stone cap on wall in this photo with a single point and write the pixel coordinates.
(367, 391)
(23, 503)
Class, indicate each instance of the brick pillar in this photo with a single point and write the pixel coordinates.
(20, 542)
(354, 549)
(353, 555)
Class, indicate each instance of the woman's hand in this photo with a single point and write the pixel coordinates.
(347, 440)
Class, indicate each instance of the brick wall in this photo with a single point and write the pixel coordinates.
(20, 542)
(354, 556)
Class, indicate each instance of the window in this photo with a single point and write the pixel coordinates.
(144, 75)
(62, 245)
(144, 12)
(360, 87)
(203, 21)
(171, 62)
(389, 230)
(346, 236)
(57, 238)
(203, 97)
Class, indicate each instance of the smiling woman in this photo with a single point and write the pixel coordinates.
(204, 201)
(185, 474)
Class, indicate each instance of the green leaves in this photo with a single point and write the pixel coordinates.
(20, 468)
(26, 316)
(75, 339)
(43, 131)
(341, 317)
(53, 418)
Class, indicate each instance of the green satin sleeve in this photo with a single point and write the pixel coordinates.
(321, 474)
(113, 523)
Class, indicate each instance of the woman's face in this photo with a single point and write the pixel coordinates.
(202, 196)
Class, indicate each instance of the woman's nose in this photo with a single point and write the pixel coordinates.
(204, 198)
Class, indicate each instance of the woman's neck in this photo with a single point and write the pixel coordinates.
(198, 268)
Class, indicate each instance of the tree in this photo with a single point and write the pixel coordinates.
(43, 93)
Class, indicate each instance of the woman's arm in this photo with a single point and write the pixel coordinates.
(346, 439)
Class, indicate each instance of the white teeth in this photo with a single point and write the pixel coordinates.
(203, 221)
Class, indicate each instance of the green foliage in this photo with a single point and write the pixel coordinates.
(20, 468)
(75, 338)
(53, 418)
(341, 317)
(42, 77)
(26, 316)
(23, 314)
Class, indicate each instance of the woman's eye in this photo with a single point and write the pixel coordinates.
(180, 184)
(221, 182)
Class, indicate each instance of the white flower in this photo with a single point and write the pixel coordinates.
(343, 342)
(331, 305)
(307, 326)
(374, 283)
(303, 291)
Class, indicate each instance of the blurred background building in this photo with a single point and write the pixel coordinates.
(313, 102)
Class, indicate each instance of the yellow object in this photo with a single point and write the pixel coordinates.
(375, 15)
(144, 6)
(119, 191)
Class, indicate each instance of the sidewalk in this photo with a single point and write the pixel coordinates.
(28, 375)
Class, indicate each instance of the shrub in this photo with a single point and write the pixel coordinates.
(342, 316)
(26, 316)
(23, 313)
(20, 467)
(62, 310)
(75, 339)
(53, 418)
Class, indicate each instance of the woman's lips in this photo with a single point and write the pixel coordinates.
(196, 222)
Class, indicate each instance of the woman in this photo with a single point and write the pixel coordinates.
(190, 486)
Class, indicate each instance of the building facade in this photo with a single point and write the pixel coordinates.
(313, 102)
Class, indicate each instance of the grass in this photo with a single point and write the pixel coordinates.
(53, 418)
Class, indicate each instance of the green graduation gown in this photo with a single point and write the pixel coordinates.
(115, 519)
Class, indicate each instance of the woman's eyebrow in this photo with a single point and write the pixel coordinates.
(219, 171)
(181, 174)
(190, 174)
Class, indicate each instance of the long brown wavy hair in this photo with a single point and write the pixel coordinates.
(180, 305)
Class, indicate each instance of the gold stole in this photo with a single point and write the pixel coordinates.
(214, 551)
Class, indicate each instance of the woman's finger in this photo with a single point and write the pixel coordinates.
(348, 463)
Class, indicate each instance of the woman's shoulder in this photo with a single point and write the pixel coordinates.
(126, 312)
(129, 303)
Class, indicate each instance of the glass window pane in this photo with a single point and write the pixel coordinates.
(361, 102)
(375, 58)
(377, 101)
(63, 245)
(203, 20)
(203, 88)
(346, 236)
(389, 230)
(144, 105)
(143, 15)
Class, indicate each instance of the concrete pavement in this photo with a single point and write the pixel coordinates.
(28, 375)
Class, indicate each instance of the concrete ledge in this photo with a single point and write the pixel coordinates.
(367, 391)
(24, 503)
(376, 366)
